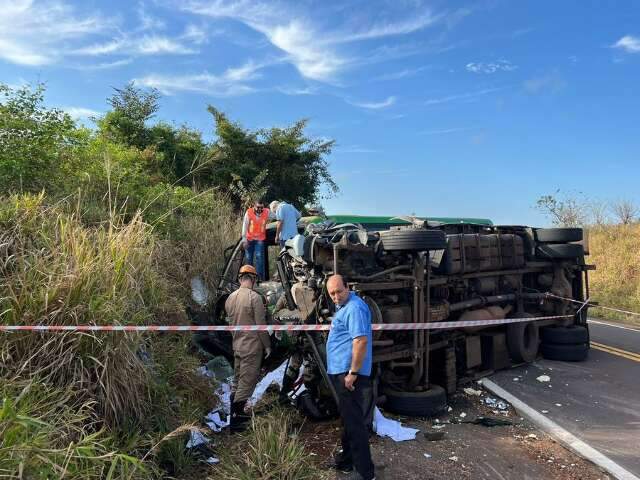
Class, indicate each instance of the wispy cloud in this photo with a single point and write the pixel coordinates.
(549, 82)
(491, 67)
(374, 105)
(35, 34)
(296, 91)
(447, 131)
(355, 149)
(314, 51)
(145, 45)
(232, 82)
(104, 65)
(461, 96)
(80, 113)
(628, 43)
(407, 72)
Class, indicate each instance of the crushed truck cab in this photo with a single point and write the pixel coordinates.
(414, 270)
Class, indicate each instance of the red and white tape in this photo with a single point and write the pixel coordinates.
(264, 328)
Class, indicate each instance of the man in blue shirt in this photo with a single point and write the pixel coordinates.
(349, 358)
(287, 217)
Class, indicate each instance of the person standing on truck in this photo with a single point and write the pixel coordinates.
(349, 361)
(287, 217)
(245, 307)
(254, 234)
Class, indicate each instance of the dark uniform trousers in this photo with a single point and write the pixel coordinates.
(353, 407)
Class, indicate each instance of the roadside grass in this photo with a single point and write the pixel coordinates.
(79, 405)
(615, 250)
(270, 449)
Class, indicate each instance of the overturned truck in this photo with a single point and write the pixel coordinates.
(422, 271)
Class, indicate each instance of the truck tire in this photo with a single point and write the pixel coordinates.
(428, 403)
(523, 339)
(572, 335)
(558, 235)
(559, 251)
(413, 240)
(565, 353)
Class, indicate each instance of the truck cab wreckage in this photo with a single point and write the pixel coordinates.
(419, 271)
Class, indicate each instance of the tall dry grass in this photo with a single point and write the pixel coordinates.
(615, 250)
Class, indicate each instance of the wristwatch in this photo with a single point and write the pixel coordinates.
(351, 372)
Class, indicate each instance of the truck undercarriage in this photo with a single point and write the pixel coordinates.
(421, 273)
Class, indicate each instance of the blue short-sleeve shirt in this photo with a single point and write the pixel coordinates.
(352, 320)
(288, 215)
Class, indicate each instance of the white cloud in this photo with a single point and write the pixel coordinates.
(232, 82)
(314, 51)
(105, 65)
(628, 43)
(195, 34)
(374, 105)
(145, 45)
(35, 33)
(407, 72)
(78, 113)
(461, 96)
(147, 21)
(491, 67)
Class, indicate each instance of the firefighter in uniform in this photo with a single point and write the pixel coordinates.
(254, 234)
(246, 307)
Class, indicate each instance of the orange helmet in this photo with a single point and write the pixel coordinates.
(248, 269)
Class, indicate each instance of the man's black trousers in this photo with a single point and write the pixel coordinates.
(355, 434)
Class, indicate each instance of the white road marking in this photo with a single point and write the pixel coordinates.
(615, 326)
(567, 439)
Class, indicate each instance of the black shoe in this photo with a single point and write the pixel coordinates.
(356, 476)
(341, 463)
(239, 419)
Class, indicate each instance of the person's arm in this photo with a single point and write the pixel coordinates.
(359, 322)
(245, 227)
(298, 214)
(259, 318)
(278, 228)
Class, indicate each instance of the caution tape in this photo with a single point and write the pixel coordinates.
(586, 303)
(266, 328)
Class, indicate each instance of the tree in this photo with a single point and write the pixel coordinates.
(625, 211)
(132, 108)
(296, 166)
(34, 140)
(565, 211)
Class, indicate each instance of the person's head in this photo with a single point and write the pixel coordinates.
(258, 206)
(315, 210)
(247, 276)
(273, 206)
(337, 289)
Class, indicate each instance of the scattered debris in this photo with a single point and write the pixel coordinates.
(449, 409)
(531, 436)
(558, 404)
(462, 415)
(545, 411)
(490, 422)
(426, 455)
(220, 368)
(471, 391)
(212, 460)
(453, 459)
(214, 421)
(437, 427)
(543, 378)
(516, 379)
(434, 436)
(494, 403)
(196, 438)
(393, 429)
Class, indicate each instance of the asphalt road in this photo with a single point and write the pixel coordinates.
(597, 400)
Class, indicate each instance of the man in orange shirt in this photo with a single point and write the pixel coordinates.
(254, 234)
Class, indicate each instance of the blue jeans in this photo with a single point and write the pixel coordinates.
(254, 255)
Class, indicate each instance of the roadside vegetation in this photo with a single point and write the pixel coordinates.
(107, 226)
(613, 232)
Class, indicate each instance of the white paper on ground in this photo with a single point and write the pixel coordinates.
(215, 422)
(272, 377)
(393, 429)
(213, 460)
(196, 439)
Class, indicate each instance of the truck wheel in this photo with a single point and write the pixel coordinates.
(429, 403)
(558, 235)
(413, 240)
(522, 340)
(565, 353)
(562, 250)
(565, 335)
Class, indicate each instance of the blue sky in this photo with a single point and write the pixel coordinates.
(438, 108)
